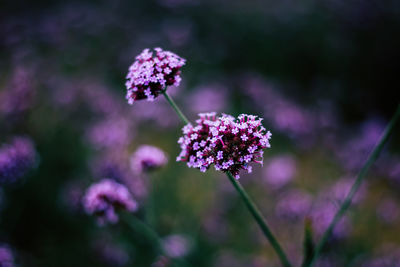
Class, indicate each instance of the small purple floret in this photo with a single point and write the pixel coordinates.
(147, 158)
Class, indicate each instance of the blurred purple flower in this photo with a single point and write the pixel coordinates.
(293, 204)
(280, 170)
(149, 75)
(16, 159)
(176, 246)
(6, 256)
(104, 198)
(147, 158)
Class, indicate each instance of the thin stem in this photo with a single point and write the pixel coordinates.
(249, 203)
(142, 229)
(347, 202)
(175, 107)
(259, 219)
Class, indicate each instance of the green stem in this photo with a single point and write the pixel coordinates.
(175, 107)
(143, 230)
(259, 219)
(347, 202)
(249, 203)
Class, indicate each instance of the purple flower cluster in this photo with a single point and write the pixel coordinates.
(149, 74)
(228, 143)
(16, 159)
(147, 158)
(103, 199)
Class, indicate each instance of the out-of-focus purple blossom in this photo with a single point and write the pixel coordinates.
(388, 211)
(322, 215)
(110, 133)
(16, 159)
(6, 256)
(176, 246)
(105, 198)
(293, 204)
(147, 158)
(149, 74)
(280, 170)
(353, 154)
(228, 143)
(208, 97)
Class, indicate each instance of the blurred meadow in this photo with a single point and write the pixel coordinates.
(322, 74)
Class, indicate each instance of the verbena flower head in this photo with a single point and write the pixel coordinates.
(150, 74)
(147, 158)
(229, 143)
(103, 199)
(16, 159)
